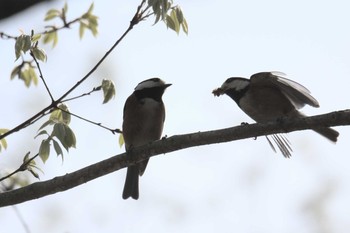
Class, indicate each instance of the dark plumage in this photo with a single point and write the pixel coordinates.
(143, 120)
(268, 96)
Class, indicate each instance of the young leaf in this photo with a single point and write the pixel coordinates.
(173, 16)
(36, 37)
(91, 8)
(184, 26)
(25, 76)
(57, 148)
(41, 133)
(121, 140)
(34, 173)
(39, 54)
(44, 150)
(15, 71)
(49, 122)
(170, 23)
(65, 8)
(26, 157)
(51, 37)
(23, 44)
(53, 13)
(33, 76)
(65, 117)
(3, 144)
(108, 90)
(82, 28)
(179, 15)
(65, 135)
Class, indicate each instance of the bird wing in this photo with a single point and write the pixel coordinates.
(295, 92)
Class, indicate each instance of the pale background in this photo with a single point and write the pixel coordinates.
(239, 186)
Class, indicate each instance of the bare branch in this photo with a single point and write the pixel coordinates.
(42, 77)
(21, 168)
(136, 19)
(174, 143)
(113, 131)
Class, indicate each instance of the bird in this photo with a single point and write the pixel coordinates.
(270, 96)
(143, 120)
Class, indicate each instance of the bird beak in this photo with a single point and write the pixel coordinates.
(218, 91)
(167, 85)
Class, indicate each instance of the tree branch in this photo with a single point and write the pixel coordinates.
(174, 143)
(135, 20)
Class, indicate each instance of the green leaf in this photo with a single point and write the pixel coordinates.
(39, 54)
(82, 28)
(51, 37)
(49, 122)
(59, 115)
(33, 76)
(23, 44)
(65, 115)
(34, 173)
(91, 8)
(44, 150)
(53, 13)
(56, 116)
(25, 76)
(65, 8)
(15, 71)
(28, 75)
(170, 23)
(3, 143)
(26, 157)
(173, 16)
(65, 135)
(121, 140)
(179, 15)
(108, 90)
(41, 133)
(184, 26)
(57, 148)
(35, 38)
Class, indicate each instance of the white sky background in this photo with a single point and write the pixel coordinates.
(240, 186)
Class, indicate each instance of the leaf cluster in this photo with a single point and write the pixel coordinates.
(171, 15)
(61, 133)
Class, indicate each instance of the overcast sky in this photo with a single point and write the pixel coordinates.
(240, 186)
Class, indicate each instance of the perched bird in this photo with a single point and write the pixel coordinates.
(269, 96)
(143, 120)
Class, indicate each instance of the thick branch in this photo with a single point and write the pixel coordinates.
(174, 143)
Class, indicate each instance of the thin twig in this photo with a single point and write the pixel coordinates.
(7, 36)
(113, 131)
(133, 22)
(42, 77)
(40, 114)
(21, 168)
(65, 25)
(82, 95)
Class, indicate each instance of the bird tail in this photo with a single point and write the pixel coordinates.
(131, 186)
(328, 133)
(282, 143)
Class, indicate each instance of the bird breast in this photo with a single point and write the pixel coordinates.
(143, 123)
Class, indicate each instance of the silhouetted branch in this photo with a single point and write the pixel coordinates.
(174, 143)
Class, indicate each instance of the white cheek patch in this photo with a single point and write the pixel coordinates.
(237, 85)
(154, 82)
